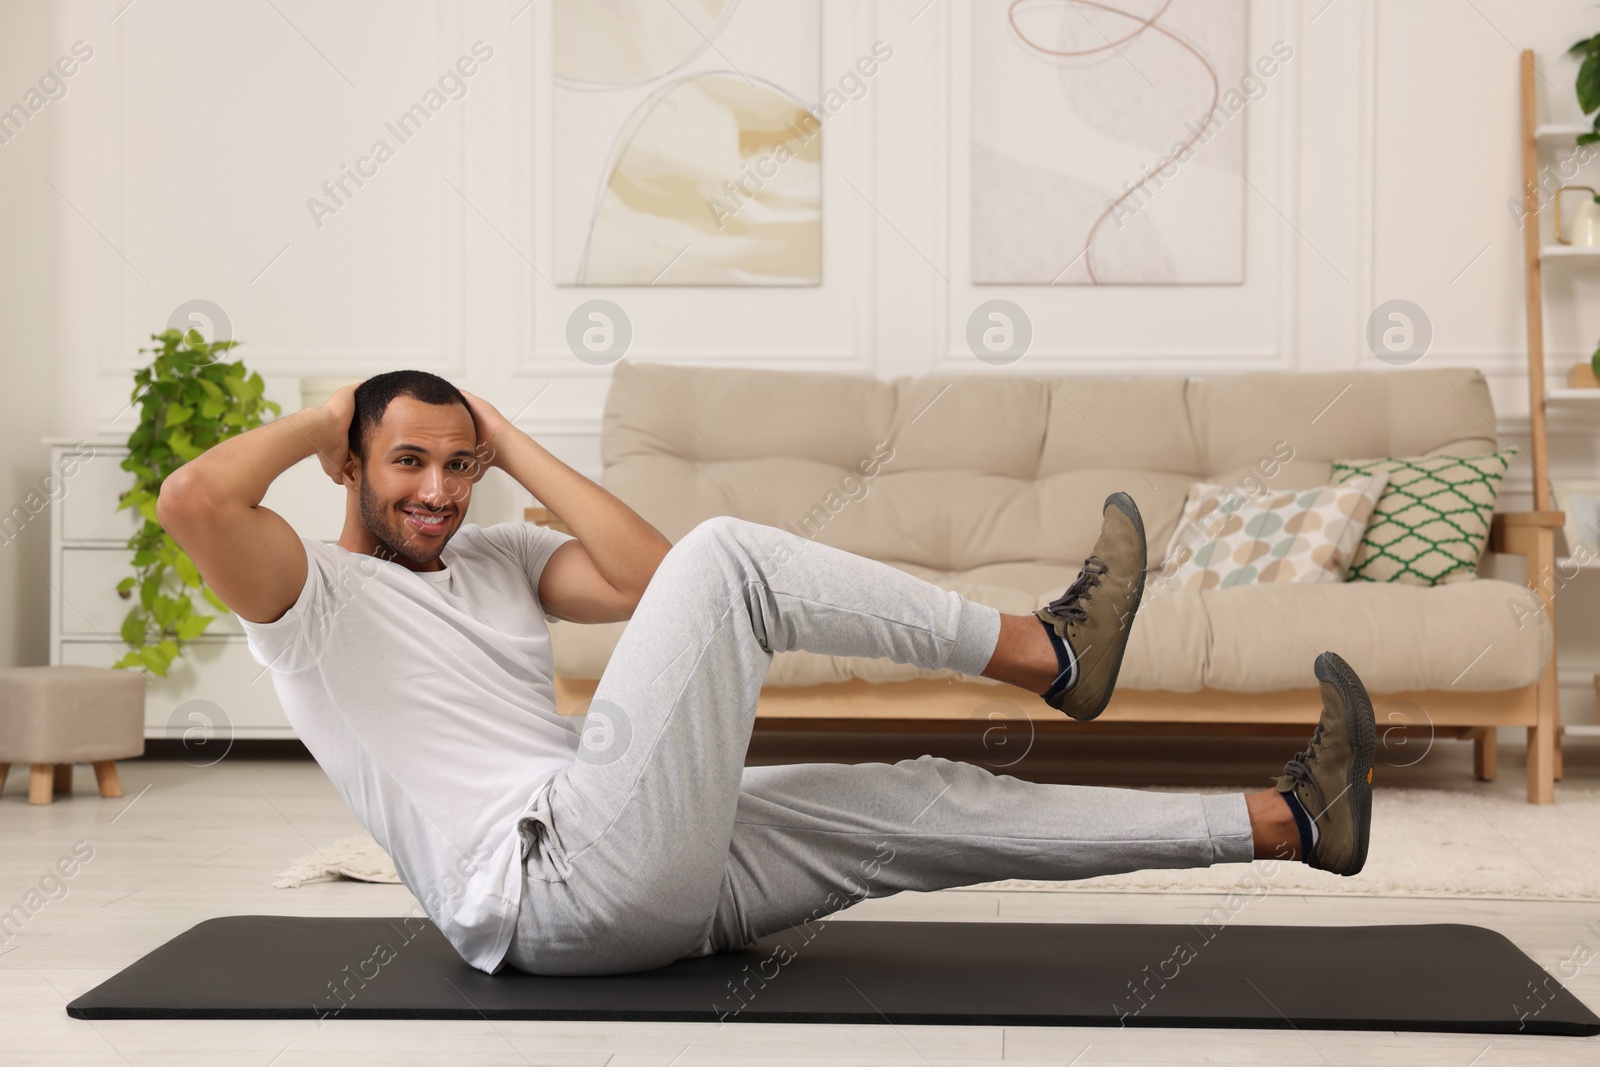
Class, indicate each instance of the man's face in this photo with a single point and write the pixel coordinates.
(416, 477)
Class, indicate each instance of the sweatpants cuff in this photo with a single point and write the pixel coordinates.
(977, 635)
(1228, 820)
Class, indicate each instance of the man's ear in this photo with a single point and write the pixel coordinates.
(352, 463)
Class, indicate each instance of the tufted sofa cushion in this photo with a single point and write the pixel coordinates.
(991, 485)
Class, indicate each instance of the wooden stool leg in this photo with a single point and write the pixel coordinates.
(5, 771)
(63, 783)
(41, 784)
(105, 772)
(1485, 754)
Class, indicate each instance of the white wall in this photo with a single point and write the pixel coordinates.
(27, 335)
(1380, 161)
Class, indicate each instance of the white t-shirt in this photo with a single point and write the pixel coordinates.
(428, 698)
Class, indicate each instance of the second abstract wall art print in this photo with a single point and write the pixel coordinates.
(1108, 141)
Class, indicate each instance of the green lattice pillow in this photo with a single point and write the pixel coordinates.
(1432, 522)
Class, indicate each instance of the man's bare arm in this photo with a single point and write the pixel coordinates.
(249, 556)
(624, 548)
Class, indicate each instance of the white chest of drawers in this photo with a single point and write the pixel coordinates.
(214, 687)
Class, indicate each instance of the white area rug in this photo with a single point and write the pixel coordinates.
(357, 858)
(1425, 842)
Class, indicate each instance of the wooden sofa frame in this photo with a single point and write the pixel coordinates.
(929, 706)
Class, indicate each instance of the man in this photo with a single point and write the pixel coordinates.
(413, 659)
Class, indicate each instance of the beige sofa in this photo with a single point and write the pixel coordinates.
(991, 485)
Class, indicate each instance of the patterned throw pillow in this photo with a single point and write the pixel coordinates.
(1226, 538)
(1433, 520)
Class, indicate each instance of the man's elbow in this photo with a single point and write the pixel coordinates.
(181, 498)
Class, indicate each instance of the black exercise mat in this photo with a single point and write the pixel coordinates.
(1442, 977)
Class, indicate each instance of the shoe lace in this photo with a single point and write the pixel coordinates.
(1070, 605)
(1298, 770)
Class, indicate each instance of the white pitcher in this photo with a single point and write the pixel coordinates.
(1585, 220)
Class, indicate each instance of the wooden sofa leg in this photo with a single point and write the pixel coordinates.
(63, 780)
(1541, 766)
(105, 772)
(1542, 741)
(1486, 754)
(41, 783)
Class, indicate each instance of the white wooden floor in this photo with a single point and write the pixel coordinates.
(186, 844)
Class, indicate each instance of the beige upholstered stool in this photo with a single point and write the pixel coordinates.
(53, 717)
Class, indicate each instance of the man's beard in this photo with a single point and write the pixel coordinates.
(389, 532)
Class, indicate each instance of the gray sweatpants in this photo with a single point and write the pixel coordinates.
(658, 843)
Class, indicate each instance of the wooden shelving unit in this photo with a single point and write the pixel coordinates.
(1556, 131)
(1534, 536)
(1575, 398)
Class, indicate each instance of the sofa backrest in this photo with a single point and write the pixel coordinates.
(954, 472)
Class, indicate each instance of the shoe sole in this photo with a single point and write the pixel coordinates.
(1362, 735)
(1123, 503)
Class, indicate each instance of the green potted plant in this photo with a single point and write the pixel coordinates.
(1588, 90)
(189, 400)
(1588, 84)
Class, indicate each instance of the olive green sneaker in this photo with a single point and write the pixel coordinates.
(1332, 778)
(1095, 615)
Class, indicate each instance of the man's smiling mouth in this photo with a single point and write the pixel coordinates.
(425, 521)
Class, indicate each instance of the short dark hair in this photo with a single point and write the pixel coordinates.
(373, 396)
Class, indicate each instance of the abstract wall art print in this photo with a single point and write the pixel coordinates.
(1108, 141)
(685, 147)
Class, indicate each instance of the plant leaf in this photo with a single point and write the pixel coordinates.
(1588, 83)
(179, 442)
(187, 572)
(193, 626)
(154, 659)
(133, 627)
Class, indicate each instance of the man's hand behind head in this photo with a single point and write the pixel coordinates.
(333, 445)
(488, 422)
